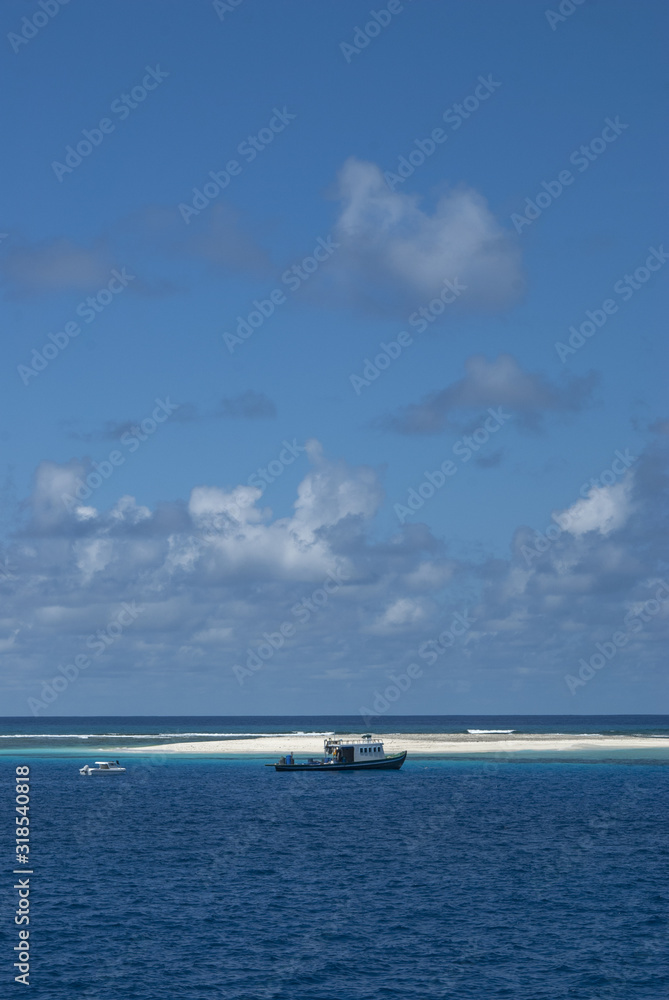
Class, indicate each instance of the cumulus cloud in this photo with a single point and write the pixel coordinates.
(605, 509)
(394, 254)
(329, 494)
(53, 482)
(403, 612)
(499, 382)
(92, 556)
(578, 579)
(213, 575)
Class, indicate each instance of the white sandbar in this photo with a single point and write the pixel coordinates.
(418, 743)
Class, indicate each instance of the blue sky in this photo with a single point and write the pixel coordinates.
(425, 163)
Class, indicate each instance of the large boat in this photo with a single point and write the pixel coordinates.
(103, 767)
(364, 754)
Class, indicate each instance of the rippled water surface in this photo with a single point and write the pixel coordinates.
(202, 879)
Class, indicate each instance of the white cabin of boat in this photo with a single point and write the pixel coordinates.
(103, 767)
(350, 751)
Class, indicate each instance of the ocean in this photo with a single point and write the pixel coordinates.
(201, 878)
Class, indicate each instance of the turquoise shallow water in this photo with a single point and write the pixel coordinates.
(208, 879)
(83, 736)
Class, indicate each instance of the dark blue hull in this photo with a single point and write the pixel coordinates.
(390, 763)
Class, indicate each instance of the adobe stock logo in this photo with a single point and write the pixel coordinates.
(625, 287)
(454, 115)
(122, 106)
(89, 309)
(464, 448)
(581, 158)
(565, 9)
(131, 439)
(565, 520)
(419, 320)
(249, 148)
(634, 621)
(372, 29)
(223, 7)
(30, 26)
(293, 277)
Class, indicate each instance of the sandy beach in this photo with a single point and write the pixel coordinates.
(419, 743)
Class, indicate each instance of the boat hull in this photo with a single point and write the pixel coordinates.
(97, 770)
(391, 763)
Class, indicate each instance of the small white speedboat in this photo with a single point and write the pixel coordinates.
(103, 767)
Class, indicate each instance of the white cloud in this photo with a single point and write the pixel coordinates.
(605, 509)
(430, 576)
(85, 513)
(403, 613)
(405, 254)
(330, 493)
(218, 510)
(126, 509)
(53, 483)
(92, 556)
(211, 582)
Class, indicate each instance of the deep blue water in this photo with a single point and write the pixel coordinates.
(191, 879)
